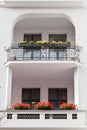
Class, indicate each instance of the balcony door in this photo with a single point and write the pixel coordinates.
(32, 54)
(30, 95)
(57, 96)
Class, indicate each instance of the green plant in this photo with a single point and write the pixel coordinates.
(31, 42)
(23, 42)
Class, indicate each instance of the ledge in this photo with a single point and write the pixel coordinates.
(43, 3)
(70, 64)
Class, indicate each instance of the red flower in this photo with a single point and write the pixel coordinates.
(21, 106)
(68, 106)
(44, 105)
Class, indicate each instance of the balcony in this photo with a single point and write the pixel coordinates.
(44, 119)
(43, 3)
(35, 52)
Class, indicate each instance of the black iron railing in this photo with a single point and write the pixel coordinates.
(43, 53)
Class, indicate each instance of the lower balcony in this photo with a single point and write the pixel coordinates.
(44, 119)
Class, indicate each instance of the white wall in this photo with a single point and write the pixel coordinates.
(78, 17)
(44, 86)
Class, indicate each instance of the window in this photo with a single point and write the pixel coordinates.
(57, 37)
(30, 95)
(58, 96)
(32, 37)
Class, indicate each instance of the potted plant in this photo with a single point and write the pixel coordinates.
(21, 106)
(44, 106)
(67, 106)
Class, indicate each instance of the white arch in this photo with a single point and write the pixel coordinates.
(48, 15)
(28, 15)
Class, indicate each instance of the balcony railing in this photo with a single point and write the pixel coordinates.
(44, 52)
(44, 118)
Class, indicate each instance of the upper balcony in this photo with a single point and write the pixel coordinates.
(43, 52)
(44, 3)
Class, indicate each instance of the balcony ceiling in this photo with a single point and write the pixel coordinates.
(43, 71)
(43, 3)
(44, 22)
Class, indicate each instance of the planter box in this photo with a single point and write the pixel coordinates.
(43, 45)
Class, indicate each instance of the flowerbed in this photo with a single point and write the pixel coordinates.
(21, 106)
(44, 106)
(67, 106)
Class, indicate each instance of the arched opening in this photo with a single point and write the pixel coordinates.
(47, 25)
(51, 74)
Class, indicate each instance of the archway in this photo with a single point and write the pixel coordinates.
(43, 24)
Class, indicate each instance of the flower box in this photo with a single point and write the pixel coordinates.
(44, 106)
(37, 44)
(21, 106)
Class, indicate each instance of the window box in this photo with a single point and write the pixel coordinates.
(39, 45)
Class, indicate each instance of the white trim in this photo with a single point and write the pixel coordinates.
(76, 86)
(8, 88)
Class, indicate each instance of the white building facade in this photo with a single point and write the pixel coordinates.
(43, 73)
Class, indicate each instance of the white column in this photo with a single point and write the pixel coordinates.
(76, 86)
(8, 88)
(45, 36)
(44, 94)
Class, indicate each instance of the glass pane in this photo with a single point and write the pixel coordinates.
(62, 54)
(31, 96)
(36, 54)
(32, 37)
(25, 95)
(53, 54)
(62, 94)
(57, 96)
(36, 37)
(35, 95)
(28, 37)
(57, 37)
(27, 54)
(53, 95)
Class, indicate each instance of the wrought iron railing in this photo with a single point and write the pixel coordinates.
(43, 53)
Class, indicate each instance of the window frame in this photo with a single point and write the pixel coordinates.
(32, 36)
(64, 34)
(58, 100)
(30, 101)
